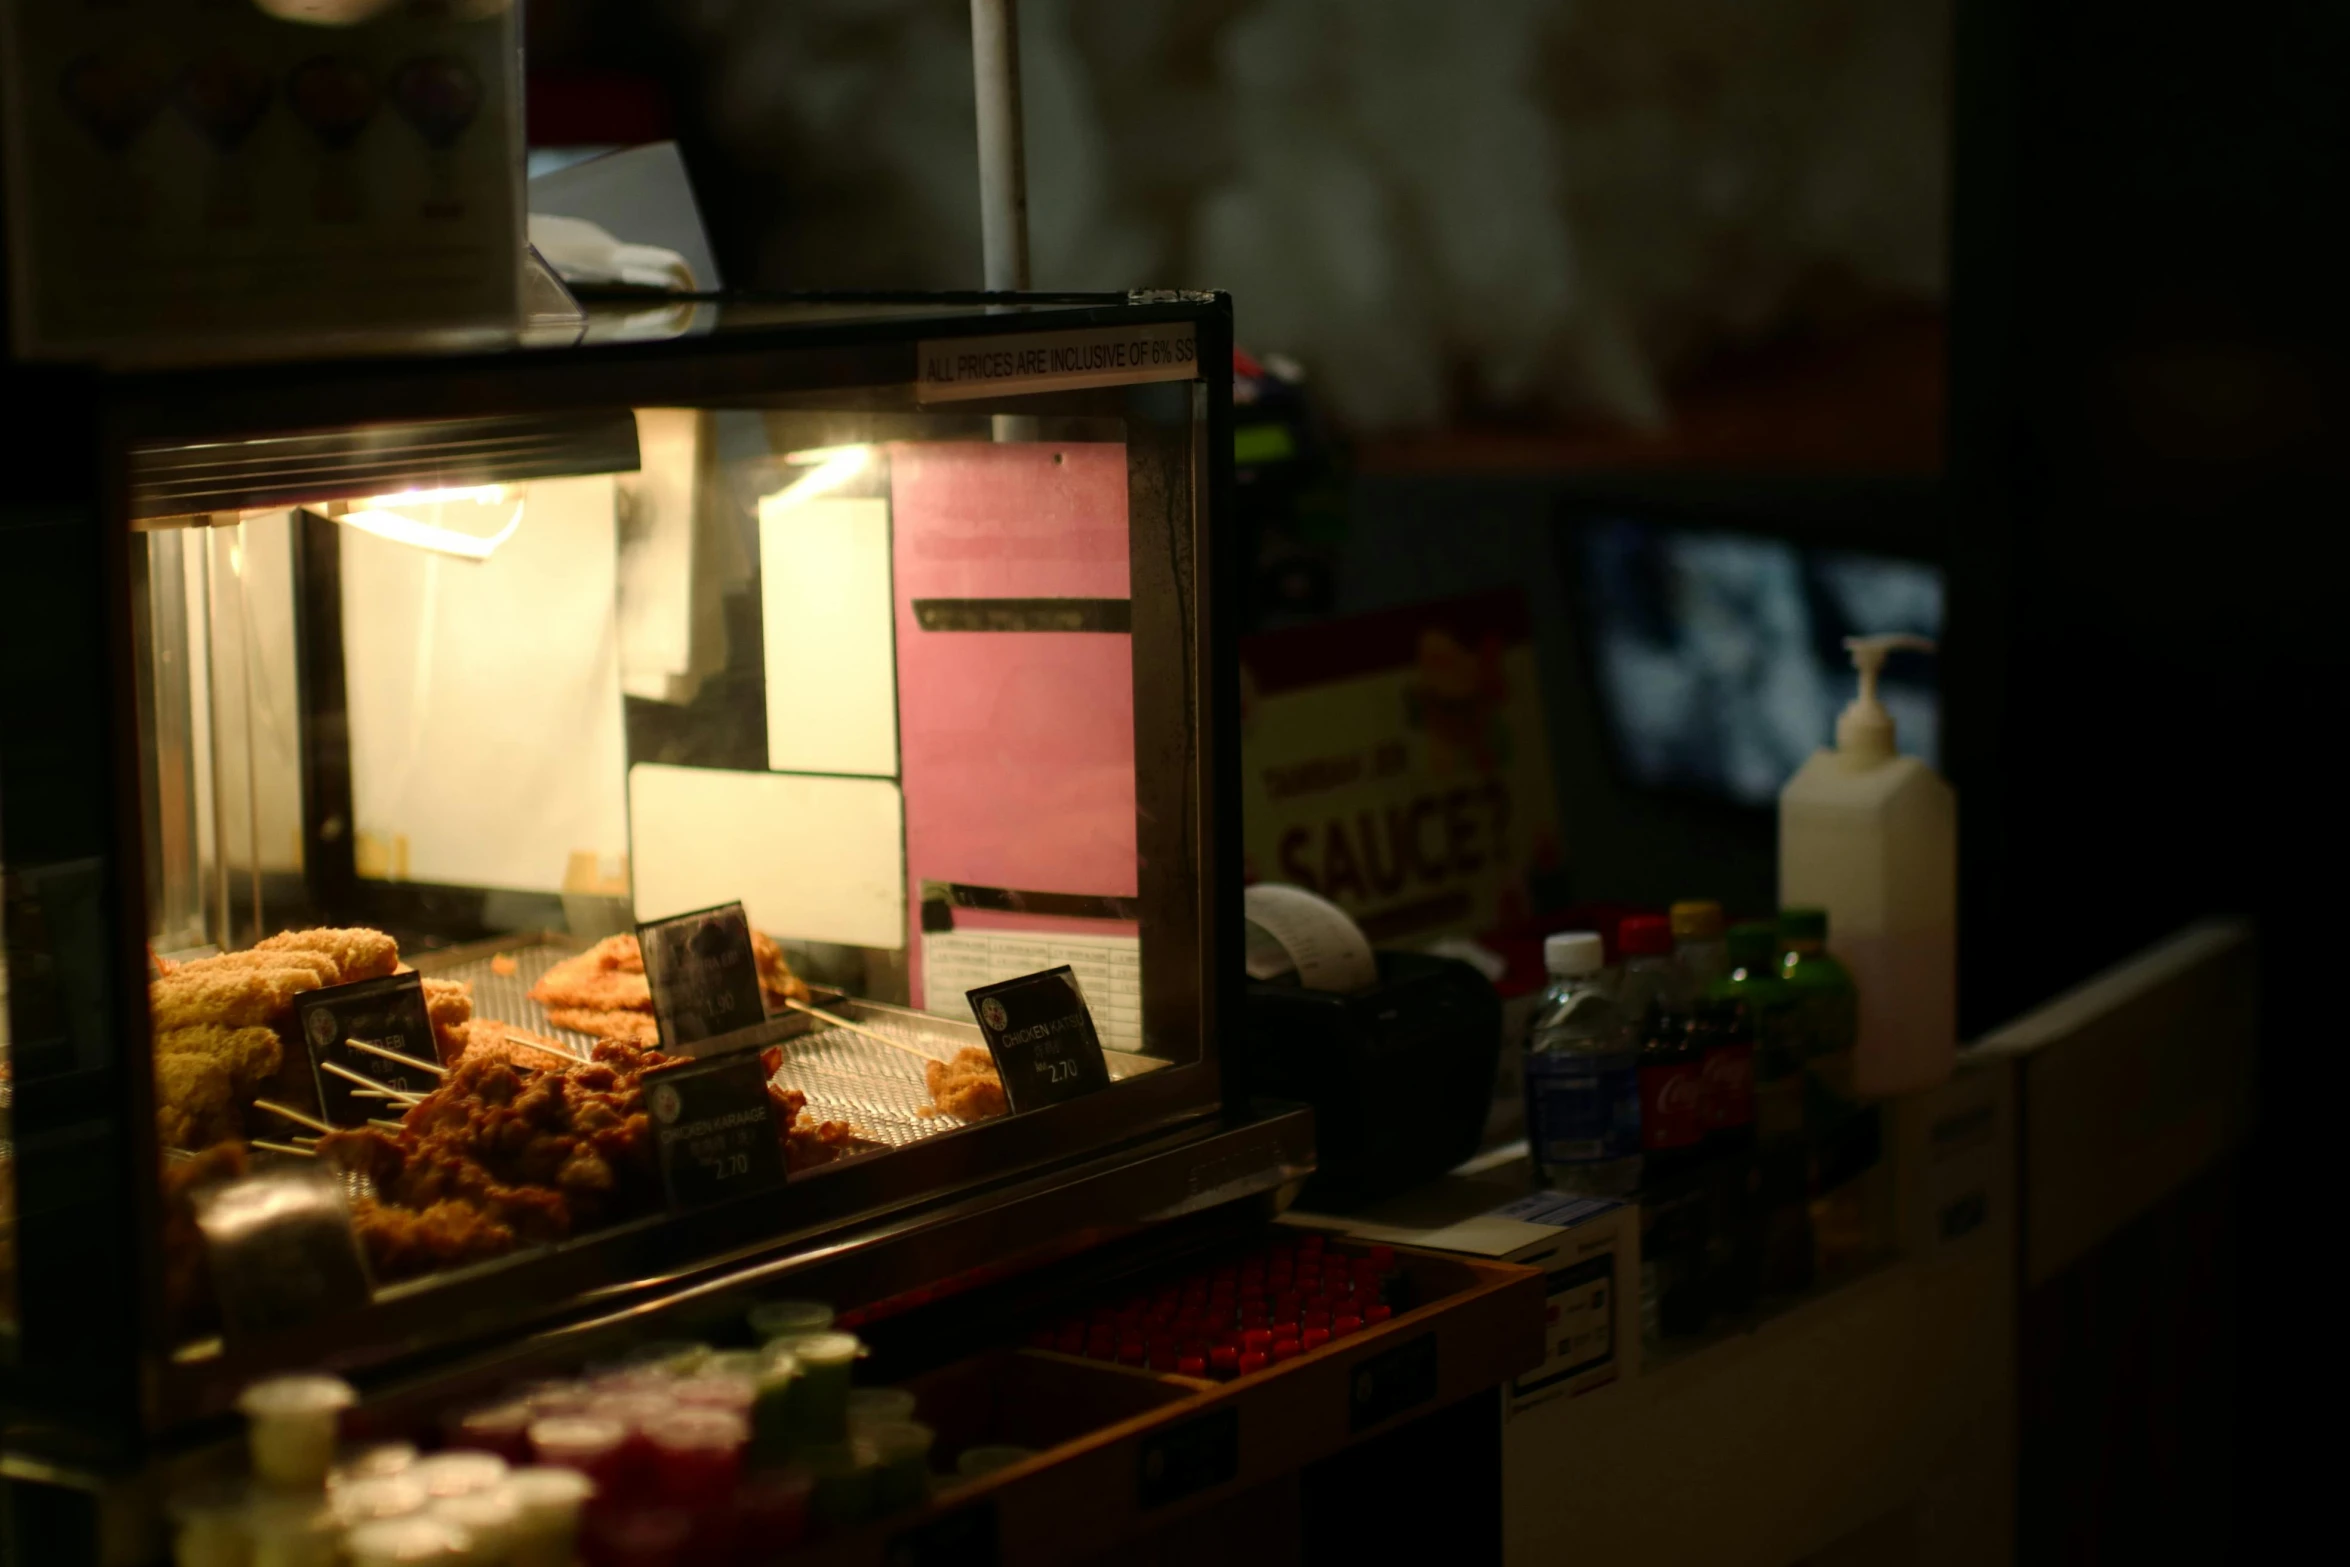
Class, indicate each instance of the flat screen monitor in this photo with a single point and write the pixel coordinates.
(1719, 655)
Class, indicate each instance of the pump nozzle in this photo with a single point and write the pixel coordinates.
(1864, 730)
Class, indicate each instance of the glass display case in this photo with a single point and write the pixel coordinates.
(356, 718)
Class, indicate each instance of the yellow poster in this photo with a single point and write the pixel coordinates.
(1395, 763)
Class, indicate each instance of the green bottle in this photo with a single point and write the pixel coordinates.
(1842, 1130)
(1765, 1005)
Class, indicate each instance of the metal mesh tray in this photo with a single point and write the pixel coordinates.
(876, 1088)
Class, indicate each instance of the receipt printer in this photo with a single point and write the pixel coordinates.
(1400, 1075)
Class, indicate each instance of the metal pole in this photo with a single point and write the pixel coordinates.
(1003, 171)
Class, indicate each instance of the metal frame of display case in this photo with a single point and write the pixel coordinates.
(91, 1378)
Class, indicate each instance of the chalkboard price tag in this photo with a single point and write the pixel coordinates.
(704, 976)
(1041, 1034)
(714, 1128)
(388, 1014)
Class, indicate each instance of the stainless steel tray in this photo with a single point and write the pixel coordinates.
(876, 1088)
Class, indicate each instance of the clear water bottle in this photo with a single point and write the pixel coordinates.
(1582, 1077)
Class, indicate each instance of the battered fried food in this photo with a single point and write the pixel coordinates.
(776, 980)
(251, 1055)
(402, 1243)
(317, 963)
(449, 1003)
(966, 1086)
(236, 997)
(608, 977)
(358, 952)
(630, 1028)
(195, 1101)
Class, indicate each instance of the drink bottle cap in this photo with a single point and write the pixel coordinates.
(1803, 924)
(1699, 919)
(1644, 935)
(1573, 952)
(1753, 944)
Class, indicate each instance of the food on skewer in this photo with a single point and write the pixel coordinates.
(966, 1086)
(195, 1101)
(610, 977)
(528, 1155)
(449, 1004)
(251, 1055)
(238, 995)
(358, 952)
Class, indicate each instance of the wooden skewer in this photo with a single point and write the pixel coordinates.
(434, 1067)
(263, 1142)
(540, 1045)
(298, 1117)
(384, 1125)
(369, 1084)
(874, 1034)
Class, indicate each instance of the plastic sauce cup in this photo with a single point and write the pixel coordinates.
(378, 1496)
(773, 1319)
(290, 1427)
(491, 1517)
(444, 1475)
(821, 1401)
(546, 1527)
(879, 1406)
(774, 1415)
(210, 1527)
(372, 1463)
(697, 1455)
(397, 1542)
(590, 1444)
(901, 1453)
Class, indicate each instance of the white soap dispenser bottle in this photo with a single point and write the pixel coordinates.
(1871, 836)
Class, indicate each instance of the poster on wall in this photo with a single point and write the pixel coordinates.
(191, 179)
(1396, 764)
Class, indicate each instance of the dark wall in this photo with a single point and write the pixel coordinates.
(2147, 406)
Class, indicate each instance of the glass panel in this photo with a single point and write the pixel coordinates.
(8, 1317)
(879, 678)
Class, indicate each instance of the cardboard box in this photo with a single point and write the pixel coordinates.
(1588, 1248)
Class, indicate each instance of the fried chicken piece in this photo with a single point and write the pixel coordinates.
(776, 980)
(367, 1151)
(519, 1047)
(608, 977)
(631, 1028)
(252, 1055)
(358, 952)
(449, 1003)
(402, 1243)
(237, 997)
(317, 963)
(806, 1147)
(195, 1101)
(503, 965)
(966, 1086)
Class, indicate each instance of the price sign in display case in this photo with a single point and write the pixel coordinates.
(562, 802)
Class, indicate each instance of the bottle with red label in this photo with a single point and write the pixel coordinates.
(1656, 997)
(1675, 1214)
